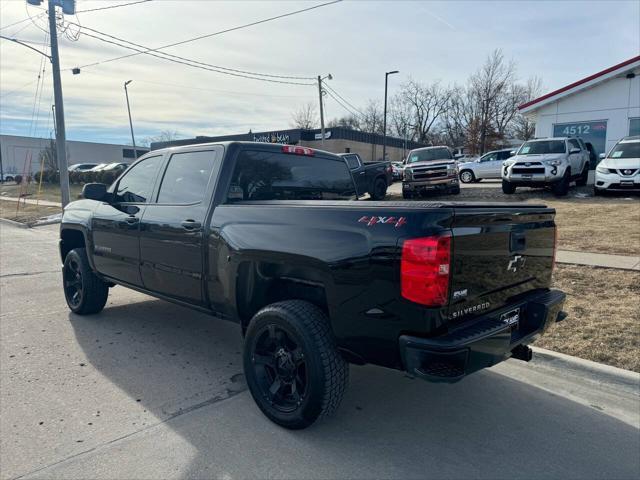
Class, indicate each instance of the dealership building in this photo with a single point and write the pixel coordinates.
(20, 155)
(601, 108)
(336, 140)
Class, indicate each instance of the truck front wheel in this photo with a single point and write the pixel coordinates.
(379, 190)
(84, 292)
(293, 368)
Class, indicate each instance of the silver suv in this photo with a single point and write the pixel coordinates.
(547, 162)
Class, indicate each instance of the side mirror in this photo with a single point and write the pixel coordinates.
(574, 150)
(512, 153)
(95, 191)
(603, 155)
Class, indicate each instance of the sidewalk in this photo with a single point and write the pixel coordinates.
(33, 201)
(599, 260)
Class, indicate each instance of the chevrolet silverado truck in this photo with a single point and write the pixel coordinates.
(430, 169)
(547, 162)
(272, 237)
(372, 178)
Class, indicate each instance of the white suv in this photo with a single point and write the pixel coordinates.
(620, 170)
(547, 162)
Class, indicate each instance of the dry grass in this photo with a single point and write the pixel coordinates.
(601, 225)
(604, 316)
(49, 192)
(26, 213)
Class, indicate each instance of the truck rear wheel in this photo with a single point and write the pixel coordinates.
(508, 188)
(293, 368)
(379, 190)
(84, 292)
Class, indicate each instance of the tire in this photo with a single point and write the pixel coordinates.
(561, 188)
(407, 195)
(84, 292)
(455, 191)
(289, 348)
(584, 176)
(8, 179)
(379, 190)
(467, 176)
(508, 188)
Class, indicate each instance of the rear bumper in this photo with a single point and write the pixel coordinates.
(482, 342)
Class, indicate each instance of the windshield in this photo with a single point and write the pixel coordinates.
(429, 155)
(625, 150)
(541, 147)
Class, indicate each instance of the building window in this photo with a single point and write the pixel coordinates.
(347, 149)
(634, 126)
(594, 133)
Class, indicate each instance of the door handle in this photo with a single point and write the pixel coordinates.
(190, 224)
(362, 173)
(131, 220)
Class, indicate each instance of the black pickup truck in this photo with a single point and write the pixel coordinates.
(372, 177)
(272, 237)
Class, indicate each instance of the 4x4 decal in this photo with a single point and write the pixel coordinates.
(397, 222)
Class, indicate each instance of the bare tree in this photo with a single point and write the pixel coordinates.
(372, 117)
(305, 117)
(427, 103)
(400, 119)
(164, 136)
(348, 121)
(523, 127)
(490, 89)
(49, 156)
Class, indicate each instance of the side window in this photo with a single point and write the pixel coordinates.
(137, 185)
(186, 177)
(490, 157)
(352, 161)
(573, 143)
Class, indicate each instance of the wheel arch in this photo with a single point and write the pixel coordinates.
(74, 236)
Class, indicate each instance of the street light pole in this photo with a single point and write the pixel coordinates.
(133, 139)
(384, 121)
(61, 137)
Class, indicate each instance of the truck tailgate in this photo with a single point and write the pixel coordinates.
(498, 254)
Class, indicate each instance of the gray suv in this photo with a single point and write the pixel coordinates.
(547, 162)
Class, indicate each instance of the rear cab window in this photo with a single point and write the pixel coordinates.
(271, 175)
(186, 177)
(352, 161)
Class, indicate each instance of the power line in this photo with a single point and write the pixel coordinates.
(344, 100)
(21, 21)
(112, 6)
(15, 90)
(20, 42)
(147, 50)
(246, 25)
(193, 64)
(357, 115)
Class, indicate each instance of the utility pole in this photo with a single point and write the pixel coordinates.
(68, 8)
(384, 121)
(320, 94)
(133, 138)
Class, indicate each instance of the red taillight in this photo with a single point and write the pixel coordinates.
(424, 270)
(296, 150)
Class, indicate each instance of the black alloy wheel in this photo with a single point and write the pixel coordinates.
(280, 368)
(72, 278)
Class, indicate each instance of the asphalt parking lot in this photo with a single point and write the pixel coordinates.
(147, 389)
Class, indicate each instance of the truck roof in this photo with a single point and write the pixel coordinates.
(262, 145)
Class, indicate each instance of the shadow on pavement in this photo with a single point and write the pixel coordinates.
(175, 361)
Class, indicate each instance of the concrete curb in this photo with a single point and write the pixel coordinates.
(596, 372)
(13, 223)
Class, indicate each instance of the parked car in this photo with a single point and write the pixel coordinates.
(619, 171)
(116, 166)
(8, 177)
(262, 235)
(397, 170)
(430, 169)
(97, 168)
(487, 166)
(547, 162)
(82, 167)
(372, 178)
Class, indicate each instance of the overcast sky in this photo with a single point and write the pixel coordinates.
(355, 41)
